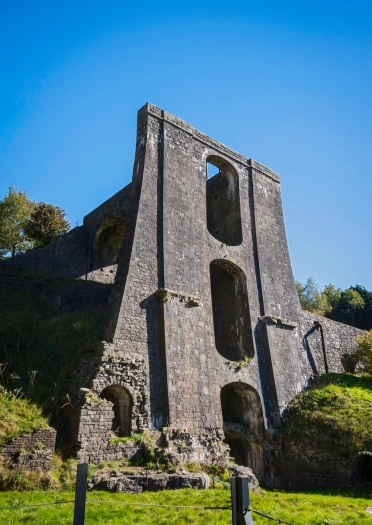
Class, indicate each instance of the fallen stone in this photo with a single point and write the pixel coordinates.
(245, 472)
(155, 482)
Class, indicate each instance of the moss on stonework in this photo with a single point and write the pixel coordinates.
(329, 420)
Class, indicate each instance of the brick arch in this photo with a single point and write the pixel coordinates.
(224, 221)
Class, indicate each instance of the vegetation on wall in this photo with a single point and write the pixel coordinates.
(330, 419)
(351, 306)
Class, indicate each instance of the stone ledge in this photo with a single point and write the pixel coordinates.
(164, 295)
(280, 321)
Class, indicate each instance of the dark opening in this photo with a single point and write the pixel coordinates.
(108, 241)
(122, 407)
(364, 468)
(223, 202)
(243, 425)
(231, 317)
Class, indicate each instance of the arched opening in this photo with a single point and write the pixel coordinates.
(364, 468)
(122, 407)
(243, 425)
(223, 201)
(108, 240)
(231, 317)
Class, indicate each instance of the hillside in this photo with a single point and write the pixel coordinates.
(330, 421)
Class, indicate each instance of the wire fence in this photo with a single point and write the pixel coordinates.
(241, 512)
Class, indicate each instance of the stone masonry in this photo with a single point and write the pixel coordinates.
(204, 330)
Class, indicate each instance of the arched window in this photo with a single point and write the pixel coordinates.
(107, 241)
(243, 425)
(122, 407)
(231, 317)
(223, 201)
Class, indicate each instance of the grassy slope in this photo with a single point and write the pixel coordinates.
(333, 416)
(35, 340)
(17, 416)
(299, 509)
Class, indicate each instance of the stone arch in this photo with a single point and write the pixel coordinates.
(223, 202)
(122, 401)
(243, 425)
(108, 240)
(230, 307)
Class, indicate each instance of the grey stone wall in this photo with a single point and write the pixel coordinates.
(339, 339)
(161, 310)
(31, 451)
(176, 335)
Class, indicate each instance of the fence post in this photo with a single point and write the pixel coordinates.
(80, 493)
(240, 501)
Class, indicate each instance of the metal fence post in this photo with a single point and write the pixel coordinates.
(80, 493)
(240, 502)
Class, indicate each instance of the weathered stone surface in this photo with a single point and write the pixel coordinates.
(31, 451)
(114, 481)
(245, 472)
(204, 330)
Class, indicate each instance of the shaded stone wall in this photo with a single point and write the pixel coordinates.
(31, 451)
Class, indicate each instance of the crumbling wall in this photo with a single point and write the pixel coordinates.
(31, 451)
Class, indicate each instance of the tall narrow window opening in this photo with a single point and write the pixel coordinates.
(223, 201)
(243, 425)
(231, 317)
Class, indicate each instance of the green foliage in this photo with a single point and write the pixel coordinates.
(135, 436)
(239, 365)
(296, 508)
(333, 416)
(15, 208)
(363, 353)
(45, 224)
(17, 415)
(351, 306)
(311, 298)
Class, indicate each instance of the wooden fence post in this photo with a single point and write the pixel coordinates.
(80, 493)
(240, 502)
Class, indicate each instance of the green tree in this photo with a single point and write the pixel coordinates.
(350, 300)
(310, 296)
(15, 208)
(363, 316)
(45, 224)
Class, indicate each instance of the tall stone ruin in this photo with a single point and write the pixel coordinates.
(205, 338)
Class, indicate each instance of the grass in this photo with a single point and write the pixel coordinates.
(17, 416)
(296, 508)
(333, 416)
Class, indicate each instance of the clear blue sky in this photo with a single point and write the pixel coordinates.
(286, 83)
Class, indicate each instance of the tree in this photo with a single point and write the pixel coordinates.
(14, 210)
(45, 224)
(311, 298)
(350, 300)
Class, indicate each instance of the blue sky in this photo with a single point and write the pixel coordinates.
(286, 83)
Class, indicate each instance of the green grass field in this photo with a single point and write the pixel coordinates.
(299, 509)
